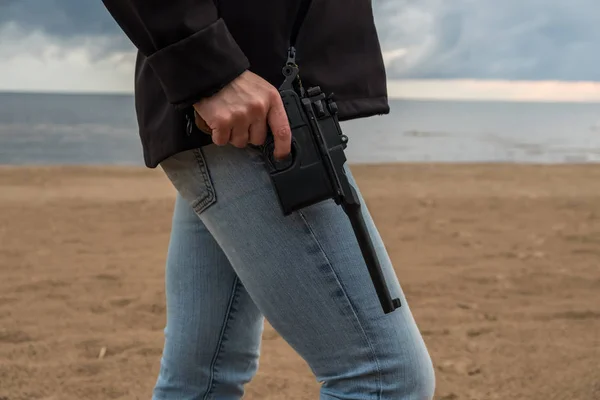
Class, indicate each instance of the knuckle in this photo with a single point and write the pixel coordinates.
(222, 120)
(273, 95)
(282, 132)
(238, 114)
(258, 106)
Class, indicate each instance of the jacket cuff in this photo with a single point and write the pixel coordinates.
(199, 65)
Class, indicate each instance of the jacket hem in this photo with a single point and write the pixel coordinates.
(363, 107)
(349, 109)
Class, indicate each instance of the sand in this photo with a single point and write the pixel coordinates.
(501, 265)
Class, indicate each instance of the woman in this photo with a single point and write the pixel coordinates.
(233, 257)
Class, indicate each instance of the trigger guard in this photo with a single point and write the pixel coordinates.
(279, 166)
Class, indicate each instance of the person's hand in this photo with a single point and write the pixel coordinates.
(239, 113)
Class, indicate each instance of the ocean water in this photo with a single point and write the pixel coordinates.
(101, 129)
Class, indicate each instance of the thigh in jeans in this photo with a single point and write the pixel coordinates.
(306, 274)
(213, 331)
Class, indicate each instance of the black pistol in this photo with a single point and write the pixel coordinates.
(315, 171)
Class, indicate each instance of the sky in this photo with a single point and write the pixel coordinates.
(543, 50)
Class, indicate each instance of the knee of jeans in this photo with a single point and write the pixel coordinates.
(412, 381)
(399, 378)
(185, 377)
(185, 365)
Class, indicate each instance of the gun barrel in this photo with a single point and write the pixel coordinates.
(368, 251)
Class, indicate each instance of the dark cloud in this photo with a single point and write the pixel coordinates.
(508, 39)
(59, 17)
(70, 21)
(492, 39)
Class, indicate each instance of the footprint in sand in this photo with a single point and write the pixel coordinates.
(478, 331)
(449, 396)
(575, 315)
(435, 332)
(150, 351)
(88, 369)
(121, 301)
(14, 337)
(153, 308)
(7, 300)
(41, 285)
(460, 367)
(108, 277)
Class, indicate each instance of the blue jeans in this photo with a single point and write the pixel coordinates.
(234, 259)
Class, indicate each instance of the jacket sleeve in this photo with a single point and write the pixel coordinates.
(188, 47)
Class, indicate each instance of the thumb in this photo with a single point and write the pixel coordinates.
(201, 124)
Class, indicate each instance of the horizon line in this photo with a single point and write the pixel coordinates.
(432, 90)
(391, 98)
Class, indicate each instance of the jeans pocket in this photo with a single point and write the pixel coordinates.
(189, 174)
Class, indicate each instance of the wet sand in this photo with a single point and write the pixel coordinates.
(500, 263)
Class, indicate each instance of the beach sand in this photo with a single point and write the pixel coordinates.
(500, 264)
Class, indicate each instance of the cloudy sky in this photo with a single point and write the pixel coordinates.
(516, 49)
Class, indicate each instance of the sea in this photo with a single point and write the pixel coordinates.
(43, 128)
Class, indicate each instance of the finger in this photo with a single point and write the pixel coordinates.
(239, 136)
(258, 132)
(282, 134)
(201, 124)
(221, 136)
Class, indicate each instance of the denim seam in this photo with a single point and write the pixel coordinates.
(366, 337)
(203, 202)
(231, 310)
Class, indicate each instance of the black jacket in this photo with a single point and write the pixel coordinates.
(190, 49)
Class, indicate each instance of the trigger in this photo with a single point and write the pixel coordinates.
(282, 164)
(278, 165)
